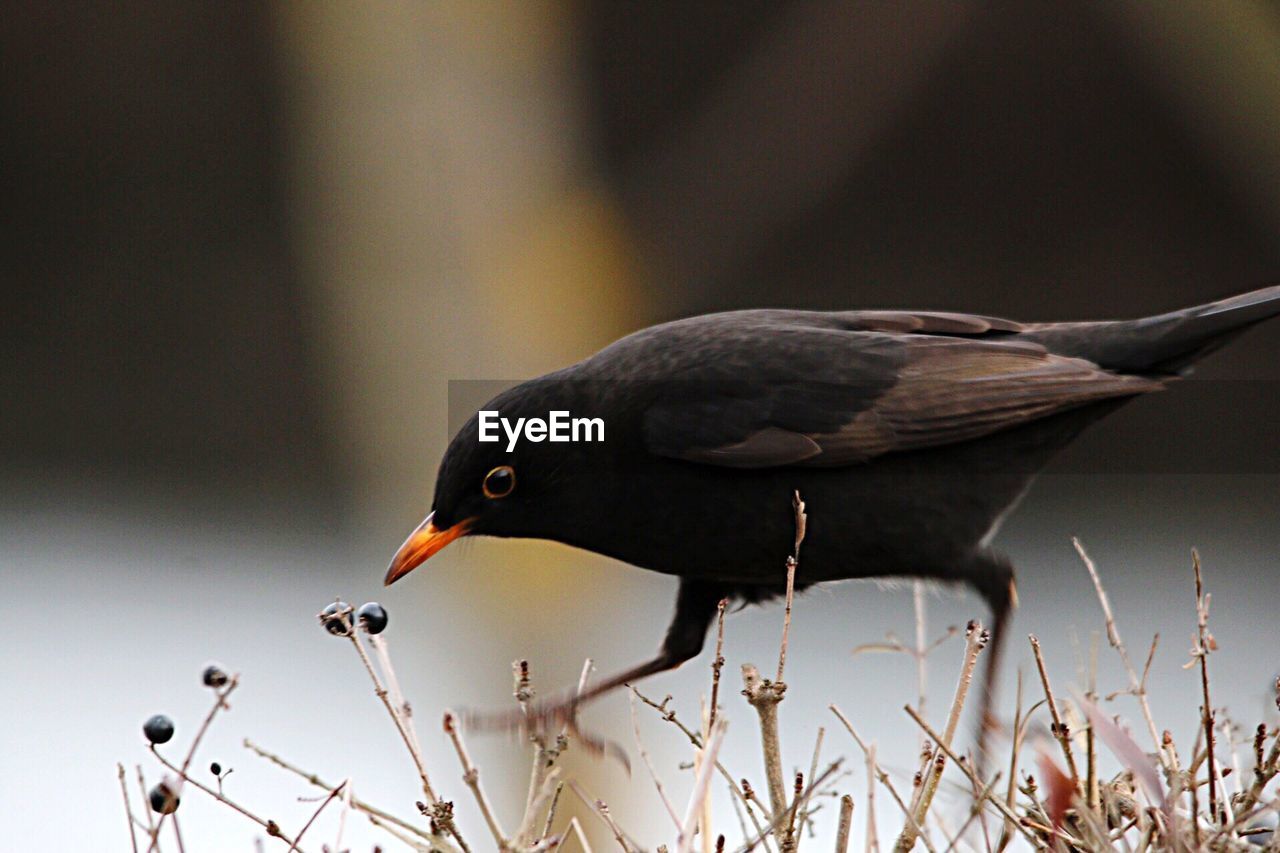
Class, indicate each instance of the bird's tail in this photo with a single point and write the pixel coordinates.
(1166, 343)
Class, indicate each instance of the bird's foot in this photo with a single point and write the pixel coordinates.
(550, 724)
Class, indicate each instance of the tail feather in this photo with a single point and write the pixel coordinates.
(1163, 344)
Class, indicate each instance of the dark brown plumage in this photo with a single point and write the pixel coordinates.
(909, 435)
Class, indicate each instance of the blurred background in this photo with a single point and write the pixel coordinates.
(247, 245)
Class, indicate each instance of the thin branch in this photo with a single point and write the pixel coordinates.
(294, 845)
(976, 639)
(272, 828)
(356, 803)
(1205, 644)
(845, 825)
(876, 773)
(1138, 688)
(968, 771)
(471, 776)
(1058, 728)
(219, 702)
(701, 788)
(128, 810)
(648, 763)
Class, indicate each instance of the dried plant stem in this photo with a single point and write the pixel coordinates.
(740, 795)
(128, 810)
(717, 663)
(876, 773)
(975, 640)
(845, 826)
(356, 803)
(778, 819)
(764, 695)
(1059, 728)
(648, 763)
(219, 702)
(1136, 686)
(402, 727)
(701, 788)
(813, 769)
(602, 811)
(272, 828)
(142, 789)
(1203, 646)
(294, 845)
(471, 776)
(973, 777)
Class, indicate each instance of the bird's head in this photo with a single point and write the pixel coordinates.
(517, 483)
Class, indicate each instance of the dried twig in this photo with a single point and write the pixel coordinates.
(375, 815)
(1204, 645)
(648, 763)
(1136, 686)
(219, 703)
(845, 825)
(128, 810)
(975, 640)
(1058, 728)
(471, 776)
(294, 845)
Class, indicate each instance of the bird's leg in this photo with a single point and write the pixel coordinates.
(696, 606)
(993, 579)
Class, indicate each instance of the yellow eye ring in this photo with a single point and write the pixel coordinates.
(499, 482)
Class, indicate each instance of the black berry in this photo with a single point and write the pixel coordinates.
(332, 619)
(214, 676)
(215, 768)
(372, 617)
(163, 799)
(158, 729)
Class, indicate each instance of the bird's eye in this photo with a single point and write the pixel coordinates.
(500, 482)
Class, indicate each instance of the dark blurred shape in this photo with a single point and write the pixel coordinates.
(1019, 160)
(152, 318)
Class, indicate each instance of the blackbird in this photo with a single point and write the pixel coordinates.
(909, 435)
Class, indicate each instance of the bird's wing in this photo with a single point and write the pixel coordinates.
(831, 396)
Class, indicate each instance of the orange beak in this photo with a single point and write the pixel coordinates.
(421, 544)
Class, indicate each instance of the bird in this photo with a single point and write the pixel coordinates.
(910, 436)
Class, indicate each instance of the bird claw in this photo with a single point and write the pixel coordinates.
(540, 719)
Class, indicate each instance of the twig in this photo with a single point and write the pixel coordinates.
(471, 776)
(128, 810)
(975, 640)
(717, 663)
(219, 702)
(552, 777)
(272, 828)
(1137, 687)
(648, 763)
(813, 769)
(1058, 728)
(845, 825)
(968, 771)
(142, 788)
(601, 808)
(701, 788)
(294, 845)
(764, 695)
(801, 521)
(876, 773)
(1205, 644)
(776, 822)
(356, 803)
(669, 715)
(177, 834)
(402, 728)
